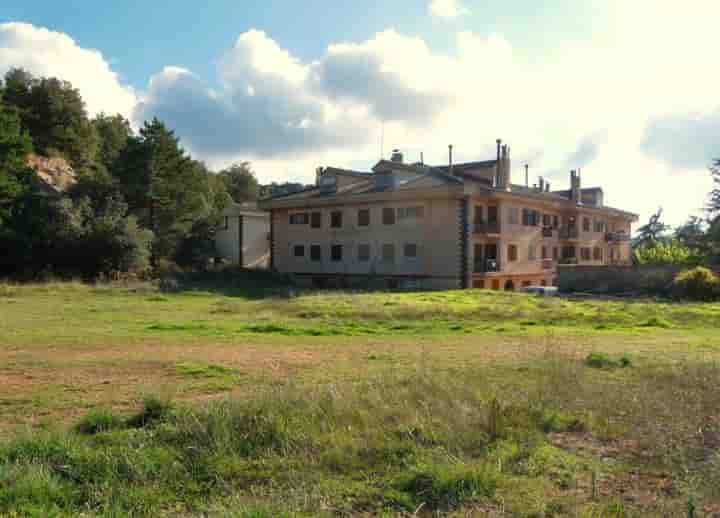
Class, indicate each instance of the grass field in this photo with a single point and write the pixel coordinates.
(240, 397)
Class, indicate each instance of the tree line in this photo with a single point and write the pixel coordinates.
(140, 199)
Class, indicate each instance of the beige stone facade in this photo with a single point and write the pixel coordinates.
(459, 226)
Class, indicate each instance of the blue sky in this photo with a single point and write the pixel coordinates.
(624, 90)
(140, 37)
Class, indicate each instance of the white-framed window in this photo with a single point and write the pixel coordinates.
(336, 253)
(388, 253)
(513, 215)
(298, 251)
(363, 217)
(299, 218)
(410, 213)
(411, 251)
(316, 219)
(532, 252)
(363, 252)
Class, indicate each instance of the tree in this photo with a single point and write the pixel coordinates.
(653, 232)
(691, 233)
(164, 187)
(280, 189)
(114, 133)
(670, 252)
(241, 183)
(15, 176)
(714, 202)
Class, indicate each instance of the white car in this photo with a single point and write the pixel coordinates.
(543, 291)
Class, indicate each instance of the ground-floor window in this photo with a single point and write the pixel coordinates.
(479, 284)
(509, 286)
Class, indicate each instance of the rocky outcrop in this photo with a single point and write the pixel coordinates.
(55, 175)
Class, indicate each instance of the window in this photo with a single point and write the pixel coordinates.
(300, 218)
(599, 225)
(363, 217)
(299, 251)
(597, 254)
(315, 253)
(556, 254)
(336, 253)
(568, 252)
(410, 250)
(336, 219)
(531, 218)
(544, 253)
(513, 214)
(406, 213)
(586, 224)
(388, 253)
(532, 253)
(316, 219)
(546, 220)
(388, 216)
(556, 222)
(585, 254)
(512, 253)
(363, 253)
(478, 214)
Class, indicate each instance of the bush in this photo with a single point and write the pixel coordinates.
(99, 421)
(603, 361)
(698, 283)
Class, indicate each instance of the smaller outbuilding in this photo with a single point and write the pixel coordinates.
(243, 237)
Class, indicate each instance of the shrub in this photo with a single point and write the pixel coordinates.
(697, 283)
(154, 410)
(99, 421)
(603, 361)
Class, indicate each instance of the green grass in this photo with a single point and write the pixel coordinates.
(269, 402)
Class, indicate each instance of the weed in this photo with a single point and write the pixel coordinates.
(604, 361)
(99, 421)
(154, 410)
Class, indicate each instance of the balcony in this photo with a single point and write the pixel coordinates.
(616, 237)
(547, 232)
(568, 260)
(487, 266)
(569, 233)
(487, 227)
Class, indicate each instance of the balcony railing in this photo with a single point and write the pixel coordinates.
(568, 260)
(616, 237)
(487, 266)
(569, 233)
(547, 232)
(487, 227)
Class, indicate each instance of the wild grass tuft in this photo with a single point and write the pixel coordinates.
(605, 361)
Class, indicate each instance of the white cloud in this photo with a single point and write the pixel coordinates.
(447, 8)
(616, 104)
(47, 53)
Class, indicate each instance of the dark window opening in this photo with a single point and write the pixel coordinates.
(336, 253)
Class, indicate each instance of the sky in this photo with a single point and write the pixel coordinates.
(625, 91)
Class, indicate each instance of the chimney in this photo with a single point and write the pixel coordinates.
(450, 158)
(504, 169)
(575, 188)
(318, 175)
(541, 183)
(547, 186)
(396, 156)
(527, 175)
(422, 158)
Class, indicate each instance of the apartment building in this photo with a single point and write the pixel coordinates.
(460, 225)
